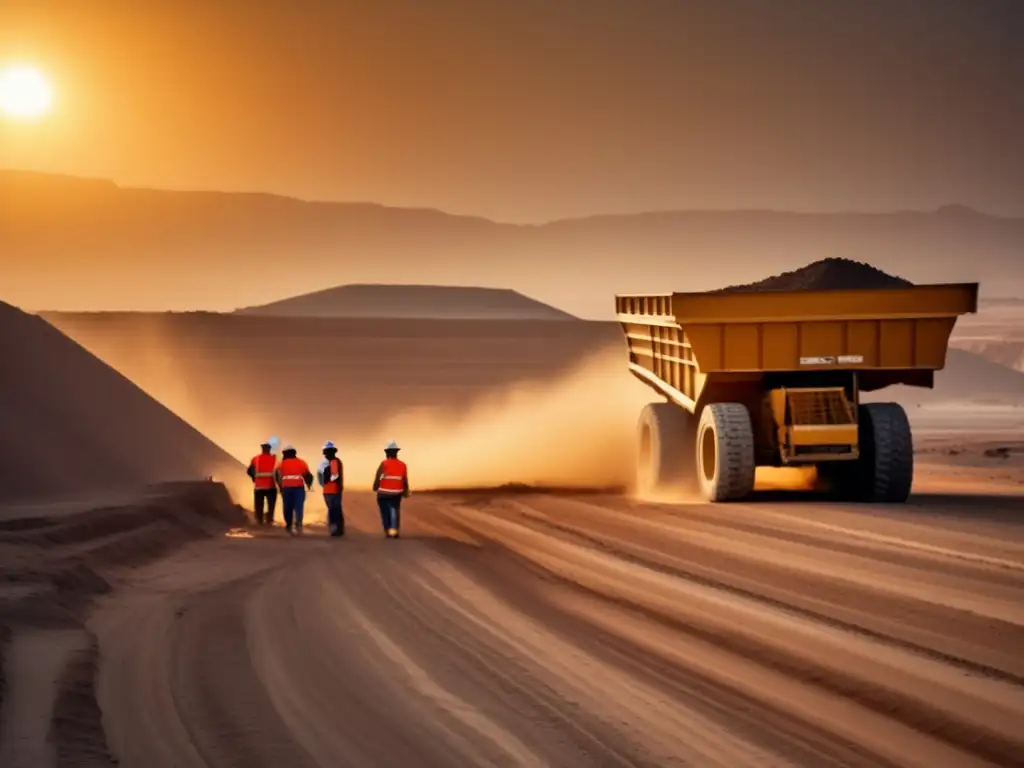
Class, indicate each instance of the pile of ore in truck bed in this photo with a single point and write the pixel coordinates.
(825, 275)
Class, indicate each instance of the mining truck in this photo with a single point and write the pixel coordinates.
(774, 379)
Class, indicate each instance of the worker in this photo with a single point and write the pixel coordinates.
(391, 485)
(293, 478)
(331, 475)
(264, 491)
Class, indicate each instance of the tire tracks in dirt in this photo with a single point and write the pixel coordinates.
(908, 609)
(527, 630)
(820, 597)
(976, 717)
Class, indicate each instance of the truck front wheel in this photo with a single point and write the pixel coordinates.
(665, 456)
(725, 452)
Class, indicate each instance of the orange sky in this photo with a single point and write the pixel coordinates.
(535, 109)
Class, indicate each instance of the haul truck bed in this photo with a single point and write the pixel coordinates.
(774, 378)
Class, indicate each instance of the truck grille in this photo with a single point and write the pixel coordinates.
(813, 407)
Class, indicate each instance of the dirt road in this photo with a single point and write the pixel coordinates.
(547, 630)
(515, 629)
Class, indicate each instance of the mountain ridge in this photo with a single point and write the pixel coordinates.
(948, 209)
(157, 250)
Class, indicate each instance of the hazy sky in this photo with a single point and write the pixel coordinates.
(527, 110)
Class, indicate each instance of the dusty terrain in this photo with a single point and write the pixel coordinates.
(523, 629)
(509, 626)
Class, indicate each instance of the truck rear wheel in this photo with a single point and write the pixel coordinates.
(665, 460)
(886, 453)
(884, 471)
(725, 452)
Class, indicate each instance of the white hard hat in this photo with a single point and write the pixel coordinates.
(288, 447)
(392, 446)
(329, 444)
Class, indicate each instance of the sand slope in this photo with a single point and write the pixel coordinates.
(71, 424)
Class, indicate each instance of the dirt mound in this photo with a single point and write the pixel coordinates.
(412, 301)
(827, 275)
(72, 424)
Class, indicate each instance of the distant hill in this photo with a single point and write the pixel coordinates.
(967, 377)
(156, 250)
(1008, 353)
(412, 301)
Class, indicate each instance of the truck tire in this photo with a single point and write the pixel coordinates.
(884, 471)
(665, 456)
(725, 452)
(886, 453)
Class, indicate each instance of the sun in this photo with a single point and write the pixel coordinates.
(24, 92)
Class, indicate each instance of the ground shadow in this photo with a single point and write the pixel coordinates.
(1003, 508)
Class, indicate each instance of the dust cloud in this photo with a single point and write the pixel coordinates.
(765, 479)
(578, 430)
(786, 479)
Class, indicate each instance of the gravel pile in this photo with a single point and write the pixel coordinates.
(826, 275)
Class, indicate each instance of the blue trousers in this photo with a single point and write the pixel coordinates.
(335, 514)
(293, 500)
(390, 510)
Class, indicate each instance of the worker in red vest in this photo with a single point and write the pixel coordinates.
(332, 480)
(264, 490)
(392, 485)
(293, 478)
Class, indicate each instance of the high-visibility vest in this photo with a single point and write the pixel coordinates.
(293, 471)
(333, 468)
(264, 465)
(393, 474)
